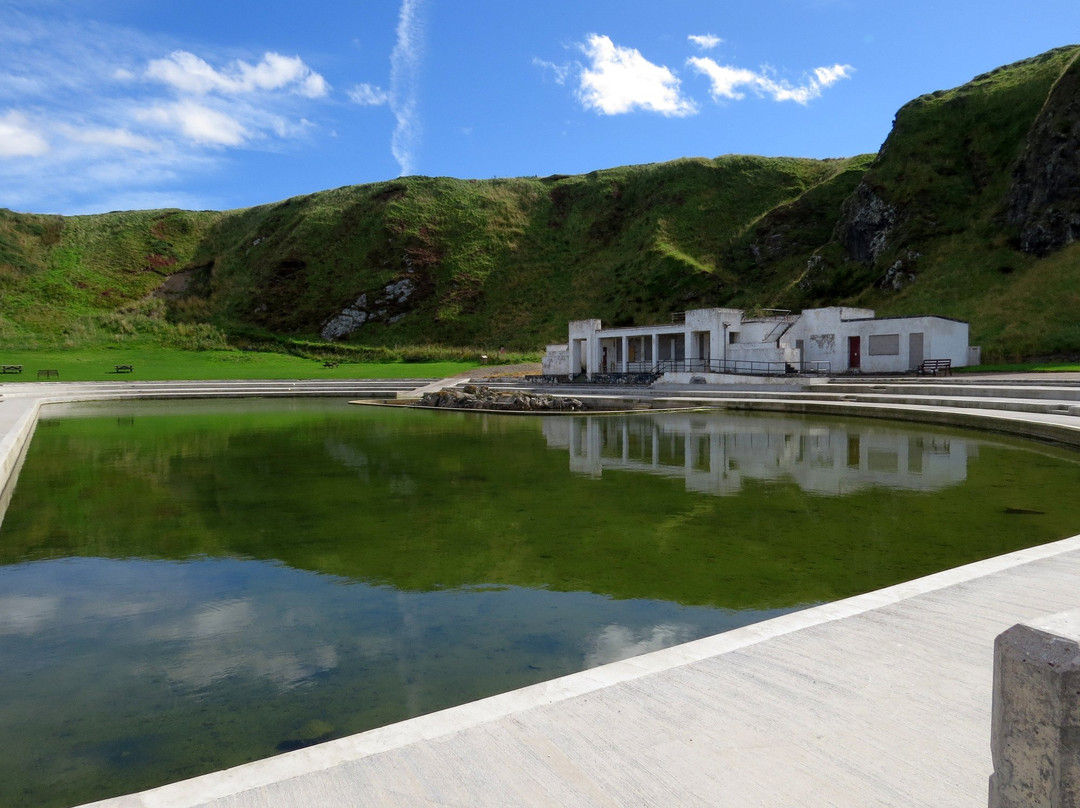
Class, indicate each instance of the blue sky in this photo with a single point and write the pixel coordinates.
(129, 104)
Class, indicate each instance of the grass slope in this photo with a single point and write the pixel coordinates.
(439, 261)
(502, 261)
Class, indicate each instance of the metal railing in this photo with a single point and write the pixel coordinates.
(636, 379)
(782, 326)
(758, 315)
(745, 367)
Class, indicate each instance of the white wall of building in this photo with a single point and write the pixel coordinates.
(835, 340)
(884, 344)
(556, 361)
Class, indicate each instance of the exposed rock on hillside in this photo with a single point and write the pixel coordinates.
(866, 223)
(1044, 200)
(392, 297)
(900, 274)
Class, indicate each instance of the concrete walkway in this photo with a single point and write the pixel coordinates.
(879, 700)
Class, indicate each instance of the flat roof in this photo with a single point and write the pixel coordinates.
(905, 317)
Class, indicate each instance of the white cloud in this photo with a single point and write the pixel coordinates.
(620, 80)
(197, 122)
(405, 63)
(705, 41)
(19, 138)
(560, 72)
(15, 85)
(314, 86)
(368, 95)
(730, 82)
(185, 72)
(122, 139)
(725, 80)
(188, 73)
(93, 115)
(50, 58)
(827, 76)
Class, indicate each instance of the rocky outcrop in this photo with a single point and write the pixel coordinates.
(472, 397)
(901, 274)
(1044, 198)
(867, 221)
(384, 307)
(815, 271)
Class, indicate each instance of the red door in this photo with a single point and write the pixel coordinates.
(854, 355)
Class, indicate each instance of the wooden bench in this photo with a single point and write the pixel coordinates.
(124, 368)
(329, 364)
(48, 374)
(931, 367)
(10, 368)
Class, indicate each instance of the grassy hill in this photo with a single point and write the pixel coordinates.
(957, 215)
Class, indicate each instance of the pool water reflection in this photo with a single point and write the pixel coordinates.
(185, 587)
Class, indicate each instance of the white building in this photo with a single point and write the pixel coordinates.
(771, 342)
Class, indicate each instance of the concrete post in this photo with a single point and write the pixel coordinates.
(1035, 734)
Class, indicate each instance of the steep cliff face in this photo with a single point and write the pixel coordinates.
(866, 223)
(955, 159)
(1044, 199)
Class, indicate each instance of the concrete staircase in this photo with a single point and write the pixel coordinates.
(1055, 397)
(1058, 399)
(1050, 396)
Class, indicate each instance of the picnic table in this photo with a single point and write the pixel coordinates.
(10, 368)
(124, 368)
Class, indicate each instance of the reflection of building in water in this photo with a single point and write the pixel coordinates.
(714, 454)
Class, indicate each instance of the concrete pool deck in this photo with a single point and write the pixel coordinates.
(878, 700)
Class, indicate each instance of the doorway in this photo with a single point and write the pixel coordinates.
(854, 353)
(915, 350)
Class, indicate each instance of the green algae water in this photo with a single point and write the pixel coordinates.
(189, 586)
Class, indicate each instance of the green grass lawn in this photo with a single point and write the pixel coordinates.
(159, 364)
